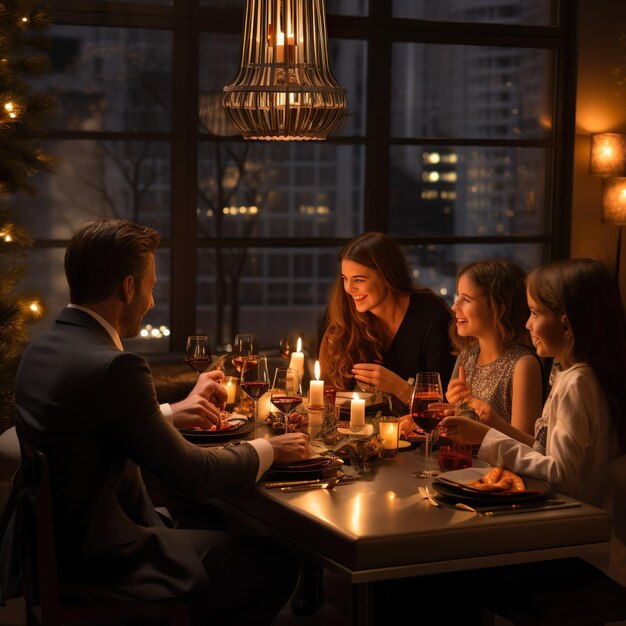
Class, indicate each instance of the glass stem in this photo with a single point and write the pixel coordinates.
(427, 451)
(256, 419)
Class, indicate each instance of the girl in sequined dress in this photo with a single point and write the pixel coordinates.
(497, 373)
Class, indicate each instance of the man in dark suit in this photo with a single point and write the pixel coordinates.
(92, 408)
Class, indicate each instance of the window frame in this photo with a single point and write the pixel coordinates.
(380, 30)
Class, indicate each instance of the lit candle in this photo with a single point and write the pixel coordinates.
(389, 434)
(357, 412)
(297, 359)
(316, 391)
(230, 384)
(265, 404)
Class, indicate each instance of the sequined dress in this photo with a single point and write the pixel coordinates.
(492, 383)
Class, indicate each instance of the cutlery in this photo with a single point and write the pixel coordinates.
(292, 483)
(426, 495)
(495, 511)
(329, 484)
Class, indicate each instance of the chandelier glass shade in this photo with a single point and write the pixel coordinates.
(284, 88)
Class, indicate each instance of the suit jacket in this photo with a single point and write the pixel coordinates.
(94, 411)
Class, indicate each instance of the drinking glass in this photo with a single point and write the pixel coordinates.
(286, 392)
(284, 348)
(427, 391)
(198, 352)
(243, 346)
(255, 381)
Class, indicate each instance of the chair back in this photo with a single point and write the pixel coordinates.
(37, 539)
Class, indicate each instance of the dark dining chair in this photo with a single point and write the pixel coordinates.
(44, 605)
(592, 598)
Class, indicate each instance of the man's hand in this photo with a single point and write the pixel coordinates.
(290, 448)
(202, 406)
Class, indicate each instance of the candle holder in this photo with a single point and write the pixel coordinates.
(231, 384)
(329, 421)
(389, 428)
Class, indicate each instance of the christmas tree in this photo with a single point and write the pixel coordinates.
(22, 117)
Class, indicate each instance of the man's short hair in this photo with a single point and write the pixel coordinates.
(102, 253)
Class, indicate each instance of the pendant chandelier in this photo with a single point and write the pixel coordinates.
(284, 88)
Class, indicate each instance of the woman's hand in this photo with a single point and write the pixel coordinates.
(457, 389)
(463, 429)
(378, 376)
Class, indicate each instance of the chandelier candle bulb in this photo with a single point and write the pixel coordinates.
(316, 391)
(297, 359)
(357, 412)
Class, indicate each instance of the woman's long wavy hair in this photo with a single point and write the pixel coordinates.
(503, 285)
(585, 292)
(355, 337)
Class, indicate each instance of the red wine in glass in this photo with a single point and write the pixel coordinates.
(427, 420)
(286, 404)
(198, 352)
(255, 388)
(198, 364)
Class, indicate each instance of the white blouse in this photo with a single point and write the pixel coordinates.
(581, 441)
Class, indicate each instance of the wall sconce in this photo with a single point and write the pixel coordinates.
(608, 159)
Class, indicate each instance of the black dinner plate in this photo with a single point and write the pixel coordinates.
(535, 490)
(216, 436)
(319, 467)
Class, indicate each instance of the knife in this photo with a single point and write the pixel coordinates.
(506, 507)
(531, 509)
(292, 483)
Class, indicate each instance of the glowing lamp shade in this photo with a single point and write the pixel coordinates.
(284, 88)
(614, 201)
(608, 154)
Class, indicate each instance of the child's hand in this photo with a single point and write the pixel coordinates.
(486, 413)
(463, 429)
(458, 389)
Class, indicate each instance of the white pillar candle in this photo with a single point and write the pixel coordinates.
(230, 384)
(316, 390)
(316, 418)
(357, 412)
(297, 359)
(264, 406)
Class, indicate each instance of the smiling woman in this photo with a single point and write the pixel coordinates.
(381, 329)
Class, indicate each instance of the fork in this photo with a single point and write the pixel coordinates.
(426, 495)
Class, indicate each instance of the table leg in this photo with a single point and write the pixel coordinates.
(362, 605)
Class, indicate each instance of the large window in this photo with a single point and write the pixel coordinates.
(457, 143)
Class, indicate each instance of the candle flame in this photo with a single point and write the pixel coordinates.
(317, 370)
(299, 345)
(355, 396)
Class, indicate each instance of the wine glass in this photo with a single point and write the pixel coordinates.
(255, 381)
(284, 348)
(198, 352)
(243, 346)
(427, 391)
(286, 392)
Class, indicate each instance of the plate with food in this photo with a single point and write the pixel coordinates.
(490, 484)
(231, 426)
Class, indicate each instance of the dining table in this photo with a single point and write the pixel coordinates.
(379, 527)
